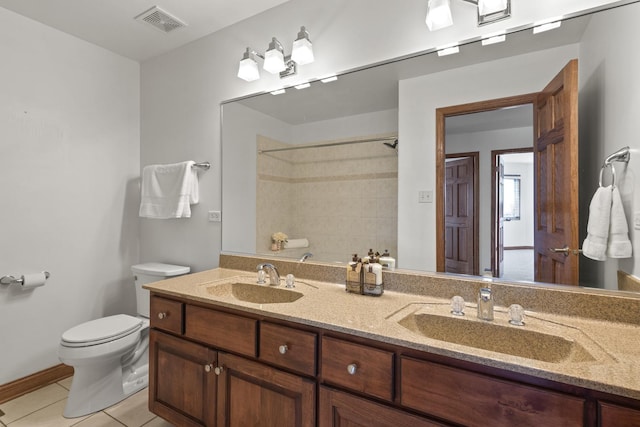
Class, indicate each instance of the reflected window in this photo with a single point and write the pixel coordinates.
(512, 197)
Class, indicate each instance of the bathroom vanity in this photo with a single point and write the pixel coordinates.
(226, 351)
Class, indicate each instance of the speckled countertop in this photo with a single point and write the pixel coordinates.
(595, 350)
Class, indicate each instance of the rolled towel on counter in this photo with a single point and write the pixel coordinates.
(296, 243)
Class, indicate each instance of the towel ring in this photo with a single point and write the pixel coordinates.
(613, 174)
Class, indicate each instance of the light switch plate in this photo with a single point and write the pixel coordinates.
(636, 220)
(215, 216)
(425, 196)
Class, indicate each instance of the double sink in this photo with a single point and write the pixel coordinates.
(539, 339)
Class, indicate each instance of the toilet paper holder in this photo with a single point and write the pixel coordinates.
(9, 280)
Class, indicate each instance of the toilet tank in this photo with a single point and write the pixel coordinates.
(152, 272)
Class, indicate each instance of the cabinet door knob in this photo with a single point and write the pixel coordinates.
(352, 368)
(283, 349)
(207, 368)
(162, 315)
(218, 370)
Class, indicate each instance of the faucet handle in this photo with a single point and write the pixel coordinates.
(457, 305)
(516, 315)
(262, 275)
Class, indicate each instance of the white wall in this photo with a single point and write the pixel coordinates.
(484, 142)
(69, 126)
(182, 90)
(608, 122)
(520, 232)
(419, 98)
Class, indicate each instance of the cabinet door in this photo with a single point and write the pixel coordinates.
(618, 416)
(339, 409)
(182, 382)
(251, 394)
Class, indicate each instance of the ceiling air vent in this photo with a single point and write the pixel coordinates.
(160, 20)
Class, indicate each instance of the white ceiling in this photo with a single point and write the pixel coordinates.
(111, 23)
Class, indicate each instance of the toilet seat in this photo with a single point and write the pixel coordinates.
(101, 331)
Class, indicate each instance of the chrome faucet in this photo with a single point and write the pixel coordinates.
(305, 256)
(274, 277)
(485, 304)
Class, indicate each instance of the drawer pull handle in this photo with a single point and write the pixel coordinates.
(352, 369)
(218, 370)
(283, 349)
(207, 368)
(162, 315)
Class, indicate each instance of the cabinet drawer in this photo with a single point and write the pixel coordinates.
(357, 367)
(618, 416)
(221, 330)
(288, 347)
(435, 390)
(166, 314)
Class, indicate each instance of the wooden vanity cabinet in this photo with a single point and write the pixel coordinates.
(213, 366)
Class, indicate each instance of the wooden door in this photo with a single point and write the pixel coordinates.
(339, 409)
(556, 174)
(252, 394)
(182, 383)
(459, 216)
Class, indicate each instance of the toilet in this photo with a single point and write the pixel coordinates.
(110, 355)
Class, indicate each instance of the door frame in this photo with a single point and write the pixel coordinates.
(475, 157)
(494, 196)
(441, 115)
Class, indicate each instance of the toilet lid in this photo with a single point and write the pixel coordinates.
(101, 330)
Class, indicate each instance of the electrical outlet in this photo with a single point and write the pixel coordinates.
(425, 196)
(215, 216)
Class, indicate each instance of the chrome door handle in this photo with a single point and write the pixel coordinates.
(566, 251)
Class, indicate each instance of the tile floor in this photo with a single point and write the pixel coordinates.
(43, 408)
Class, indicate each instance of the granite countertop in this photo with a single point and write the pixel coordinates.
(592, 353)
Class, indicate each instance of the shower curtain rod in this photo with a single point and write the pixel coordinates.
(329, 144)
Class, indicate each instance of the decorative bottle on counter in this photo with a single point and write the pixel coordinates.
(354, 276)
(373, 277)
(387, 261)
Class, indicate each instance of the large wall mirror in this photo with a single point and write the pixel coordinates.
(329, 165)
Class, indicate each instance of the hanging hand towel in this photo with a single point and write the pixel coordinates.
(595, 245)
(619, 245)
(169, 190)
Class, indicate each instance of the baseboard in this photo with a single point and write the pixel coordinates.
(33, 382)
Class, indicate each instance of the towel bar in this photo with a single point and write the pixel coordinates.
(202, 165)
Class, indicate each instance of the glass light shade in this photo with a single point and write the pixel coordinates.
(438, 14)
(487, 7)
(274, 57)
(248, 69)
(302, 52)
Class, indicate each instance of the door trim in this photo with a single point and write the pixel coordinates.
(494, 197)
(475, 157)
(441, 115)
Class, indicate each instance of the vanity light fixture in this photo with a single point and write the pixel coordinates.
(275, 60)
(489, 11)
(546, 27)
(303, 85)
(329, 79)
(278, 92)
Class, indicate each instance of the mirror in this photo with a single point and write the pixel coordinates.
(331, 112)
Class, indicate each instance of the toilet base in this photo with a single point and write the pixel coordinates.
(95, 388)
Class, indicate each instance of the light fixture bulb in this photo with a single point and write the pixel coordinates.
(274, 57)
(438, 14)
(302, 52)
(248, 67)
(487, 7)
(546, 27)
(451, 50)
(494, 39)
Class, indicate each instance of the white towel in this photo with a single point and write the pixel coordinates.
(619, 245)
(595, 245)
(167, 191)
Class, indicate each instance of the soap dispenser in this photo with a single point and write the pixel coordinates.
(387, 261)
(354, 275)
(373, 277)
